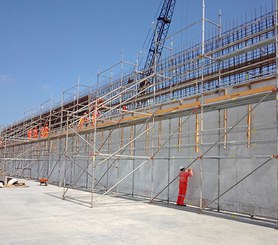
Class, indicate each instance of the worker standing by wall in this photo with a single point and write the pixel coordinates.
(183, 180)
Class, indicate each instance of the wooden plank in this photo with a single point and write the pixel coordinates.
(178, 108)
(240, 94)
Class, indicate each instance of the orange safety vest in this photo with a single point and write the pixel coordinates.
(29, 133)
(42, 132)
(46, 131)
(82, 120)
(35, 133)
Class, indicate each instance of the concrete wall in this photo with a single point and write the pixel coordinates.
(215, 173)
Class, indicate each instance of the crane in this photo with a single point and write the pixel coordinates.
(158, 38)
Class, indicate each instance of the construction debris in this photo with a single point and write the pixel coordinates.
(12, 181)
(18, 184)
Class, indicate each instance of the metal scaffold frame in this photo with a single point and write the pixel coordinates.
(103, 102)
(223, 72)
(202, 154)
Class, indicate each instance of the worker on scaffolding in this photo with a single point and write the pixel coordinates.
(143, 86)
(183, 180)
(42, 132)
(45, 131)
(95, 115)
(95, 109)
(35, 132)
(82, 120)
(29, 133)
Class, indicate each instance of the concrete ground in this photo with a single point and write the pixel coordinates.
(37, 215)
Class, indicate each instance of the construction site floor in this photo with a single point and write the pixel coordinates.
(36, 215)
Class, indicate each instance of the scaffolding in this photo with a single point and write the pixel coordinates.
(132, 132)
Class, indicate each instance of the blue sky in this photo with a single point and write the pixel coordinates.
(47, 45)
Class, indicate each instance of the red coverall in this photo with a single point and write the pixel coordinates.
(183, 186)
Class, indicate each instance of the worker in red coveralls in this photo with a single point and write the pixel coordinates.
(183, 179)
